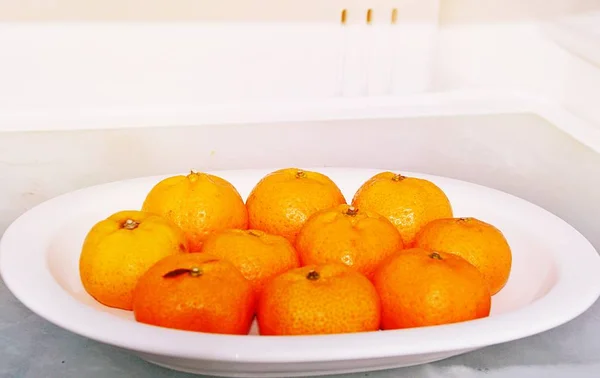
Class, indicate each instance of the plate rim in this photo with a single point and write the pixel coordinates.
(251, 349)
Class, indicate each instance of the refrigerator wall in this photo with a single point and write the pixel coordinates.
(500, 93)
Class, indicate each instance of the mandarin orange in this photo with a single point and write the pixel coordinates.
(199, 203)
(478, 242)
(117, 251)
(423, 288)
(258, 256)
(195, 292)
(283, 200)
(408, 202)
(345, 234)
(318, 299)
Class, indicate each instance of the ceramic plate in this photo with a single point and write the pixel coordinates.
(554, 279)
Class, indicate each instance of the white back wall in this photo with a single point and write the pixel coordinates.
(128, 65)
(264, 50)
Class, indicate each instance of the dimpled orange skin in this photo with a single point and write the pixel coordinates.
(200, 204)
(419, 288)
(408, 202)
(218, 300)
(283, 200)
(323, 299)
(347, 235)
(480, 243)
(257, 255)
(116, 253)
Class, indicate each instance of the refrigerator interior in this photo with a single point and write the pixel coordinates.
(500, 93)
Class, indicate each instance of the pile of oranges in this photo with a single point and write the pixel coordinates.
(296, 256)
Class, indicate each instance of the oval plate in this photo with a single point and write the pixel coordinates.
(553, 280)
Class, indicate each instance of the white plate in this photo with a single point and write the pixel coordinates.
(554, 279)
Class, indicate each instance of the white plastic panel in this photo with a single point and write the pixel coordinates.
(521, 153)
(212, 11)
(156, 63)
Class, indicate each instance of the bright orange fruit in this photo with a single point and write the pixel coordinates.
(322, 299)
(345, 234)
(283, 200)
(258, 256)
(195, 292)
(423, 288)
(199, 203)
(408, 202)
(478, 242)
(118, 250)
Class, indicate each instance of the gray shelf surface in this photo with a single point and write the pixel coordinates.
(31, 347)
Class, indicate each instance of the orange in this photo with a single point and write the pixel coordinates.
(199, 203)
(408, 202)
(318, 299)
(195, 292)
(421, 288)
(480, 243)
(347, 235)
(120, 248)
(258, 256)
(283, 200)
